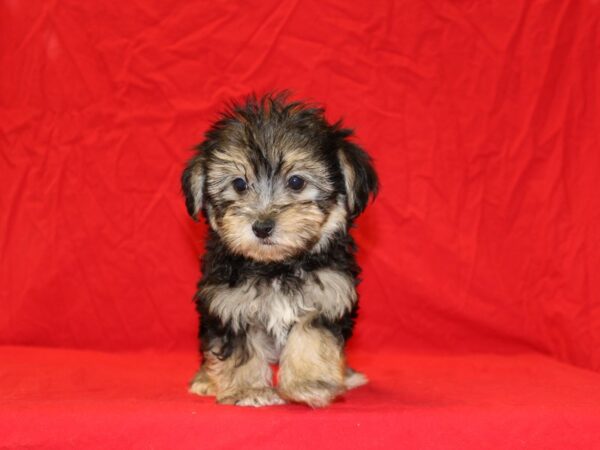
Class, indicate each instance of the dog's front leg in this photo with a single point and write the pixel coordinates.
(311, 367)
(245, 377)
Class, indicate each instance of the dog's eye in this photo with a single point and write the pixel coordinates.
(296, 183)
(240, 185)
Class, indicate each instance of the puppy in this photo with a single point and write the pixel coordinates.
(279, 188)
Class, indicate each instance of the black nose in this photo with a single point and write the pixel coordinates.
(264, 228)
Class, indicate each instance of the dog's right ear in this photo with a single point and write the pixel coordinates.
(192, 184)
(360, 178)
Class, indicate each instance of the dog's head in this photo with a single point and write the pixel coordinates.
(275, 180)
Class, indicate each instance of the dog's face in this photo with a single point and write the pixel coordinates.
(275, 180)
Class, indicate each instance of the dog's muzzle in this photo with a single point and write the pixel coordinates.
(263, 229)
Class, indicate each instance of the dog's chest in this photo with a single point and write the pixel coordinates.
(275, 306)
(267, 305)
(276, 309)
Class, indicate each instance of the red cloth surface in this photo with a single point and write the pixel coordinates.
(87, 399)
(485, 240)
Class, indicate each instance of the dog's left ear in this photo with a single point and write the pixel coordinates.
(360, 178)
(192, 184)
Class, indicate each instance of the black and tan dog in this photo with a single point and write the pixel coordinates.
(280, 187)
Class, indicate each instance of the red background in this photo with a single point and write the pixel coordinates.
(485, 240)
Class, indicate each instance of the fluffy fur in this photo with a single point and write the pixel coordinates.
(286, 294)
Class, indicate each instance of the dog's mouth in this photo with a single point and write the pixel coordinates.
(266, 241)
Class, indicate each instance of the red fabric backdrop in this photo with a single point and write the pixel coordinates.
(481, 117)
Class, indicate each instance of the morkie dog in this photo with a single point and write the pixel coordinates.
(279, 188)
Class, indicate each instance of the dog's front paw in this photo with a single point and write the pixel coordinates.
(252, 397)
(316, 394)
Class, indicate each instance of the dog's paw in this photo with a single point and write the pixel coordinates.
(201, 385)
(354, 379)
(316, 394)
(253, 397)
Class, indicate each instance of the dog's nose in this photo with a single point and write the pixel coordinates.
(263, 228)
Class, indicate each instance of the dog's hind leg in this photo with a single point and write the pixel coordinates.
(201, 384)
(354, 379)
